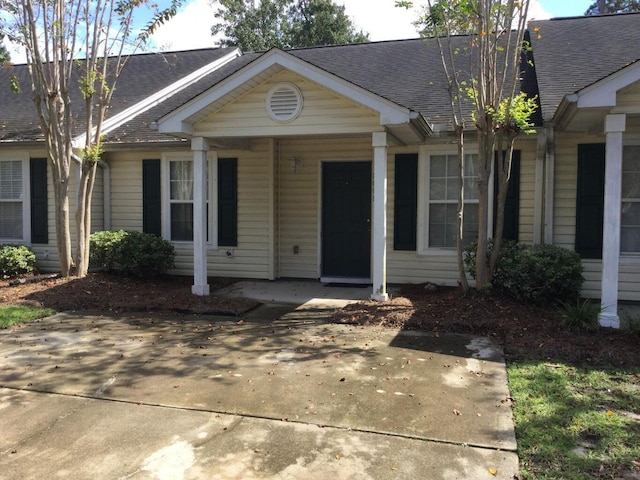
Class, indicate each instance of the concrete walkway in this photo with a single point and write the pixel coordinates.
(278, 394)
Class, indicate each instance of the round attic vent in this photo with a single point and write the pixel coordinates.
(284, 102)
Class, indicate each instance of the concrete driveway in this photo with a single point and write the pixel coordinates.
(278, 393)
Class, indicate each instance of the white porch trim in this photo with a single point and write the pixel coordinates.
(614, 128)
(200, 148)
(379, 241)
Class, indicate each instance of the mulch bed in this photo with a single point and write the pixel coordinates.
(114, 293)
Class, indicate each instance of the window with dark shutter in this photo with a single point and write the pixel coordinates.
(227, 202)
(151, 197)
(512, 202)
(405, 202)
(39, 202)
(590, 200)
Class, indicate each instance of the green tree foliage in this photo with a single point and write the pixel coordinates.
(603, 7)
(322, 22)
(283, 24)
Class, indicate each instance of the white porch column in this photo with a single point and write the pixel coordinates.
(199, 147)
(379, 250)
(614, 127)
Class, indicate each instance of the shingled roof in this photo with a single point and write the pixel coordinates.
(570, 54)
(144, 75)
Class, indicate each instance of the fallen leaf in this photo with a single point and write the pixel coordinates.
(493, 471)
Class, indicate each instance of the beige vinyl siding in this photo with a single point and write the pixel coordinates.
(566, 163)
(628, 98)
(299, 198)
(564, 195)
(250, 259)
(407, 266)
(527, 147)
(323, 112)
(126, 188)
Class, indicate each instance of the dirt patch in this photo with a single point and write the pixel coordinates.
(113, 293)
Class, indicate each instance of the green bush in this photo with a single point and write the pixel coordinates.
(133, 253)
(534, 274)
(16, 260)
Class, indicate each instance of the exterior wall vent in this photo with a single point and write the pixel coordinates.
(284, 102)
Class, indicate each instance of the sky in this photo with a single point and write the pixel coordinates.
(379, 18)
(191, 27)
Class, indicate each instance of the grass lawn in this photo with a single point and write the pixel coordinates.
(14, 314)
(576, 422)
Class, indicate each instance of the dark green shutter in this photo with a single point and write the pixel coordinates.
(151, 197)
(590, 200)
(405, 202)
(512, 202)
(228, 202)
(39, 203)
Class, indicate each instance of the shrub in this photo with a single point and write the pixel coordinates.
(580, 315)
(133, 253)
(534, 274)
(16, 260)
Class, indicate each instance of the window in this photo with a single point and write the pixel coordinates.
(178, 220)
(181, 200)
(442, 200)
(12, 198)
(630, 218)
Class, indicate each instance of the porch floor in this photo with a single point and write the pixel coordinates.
(310, 294)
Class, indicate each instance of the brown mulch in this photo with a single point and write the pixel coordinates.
(525, 331)
(114, 293)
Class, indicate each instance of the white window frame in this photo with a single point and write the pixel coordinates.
(212, 173)
(424, 166)
(22, 157)
(636, 254)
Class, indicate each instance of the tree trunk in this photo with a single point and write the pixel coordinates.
(464, 283)
(83, 216)
(503, 172)
(63, 237)
(485, 158)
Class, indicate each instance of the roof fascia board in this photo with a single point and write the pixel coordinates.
(603, 92)
(390, 113)
(161, 95)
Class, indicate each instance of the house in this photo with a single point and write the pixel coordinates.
(333, 163)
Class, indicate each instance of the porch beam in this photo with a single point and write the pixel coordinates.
(614, 128)
(379, 234)
(199, 147)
